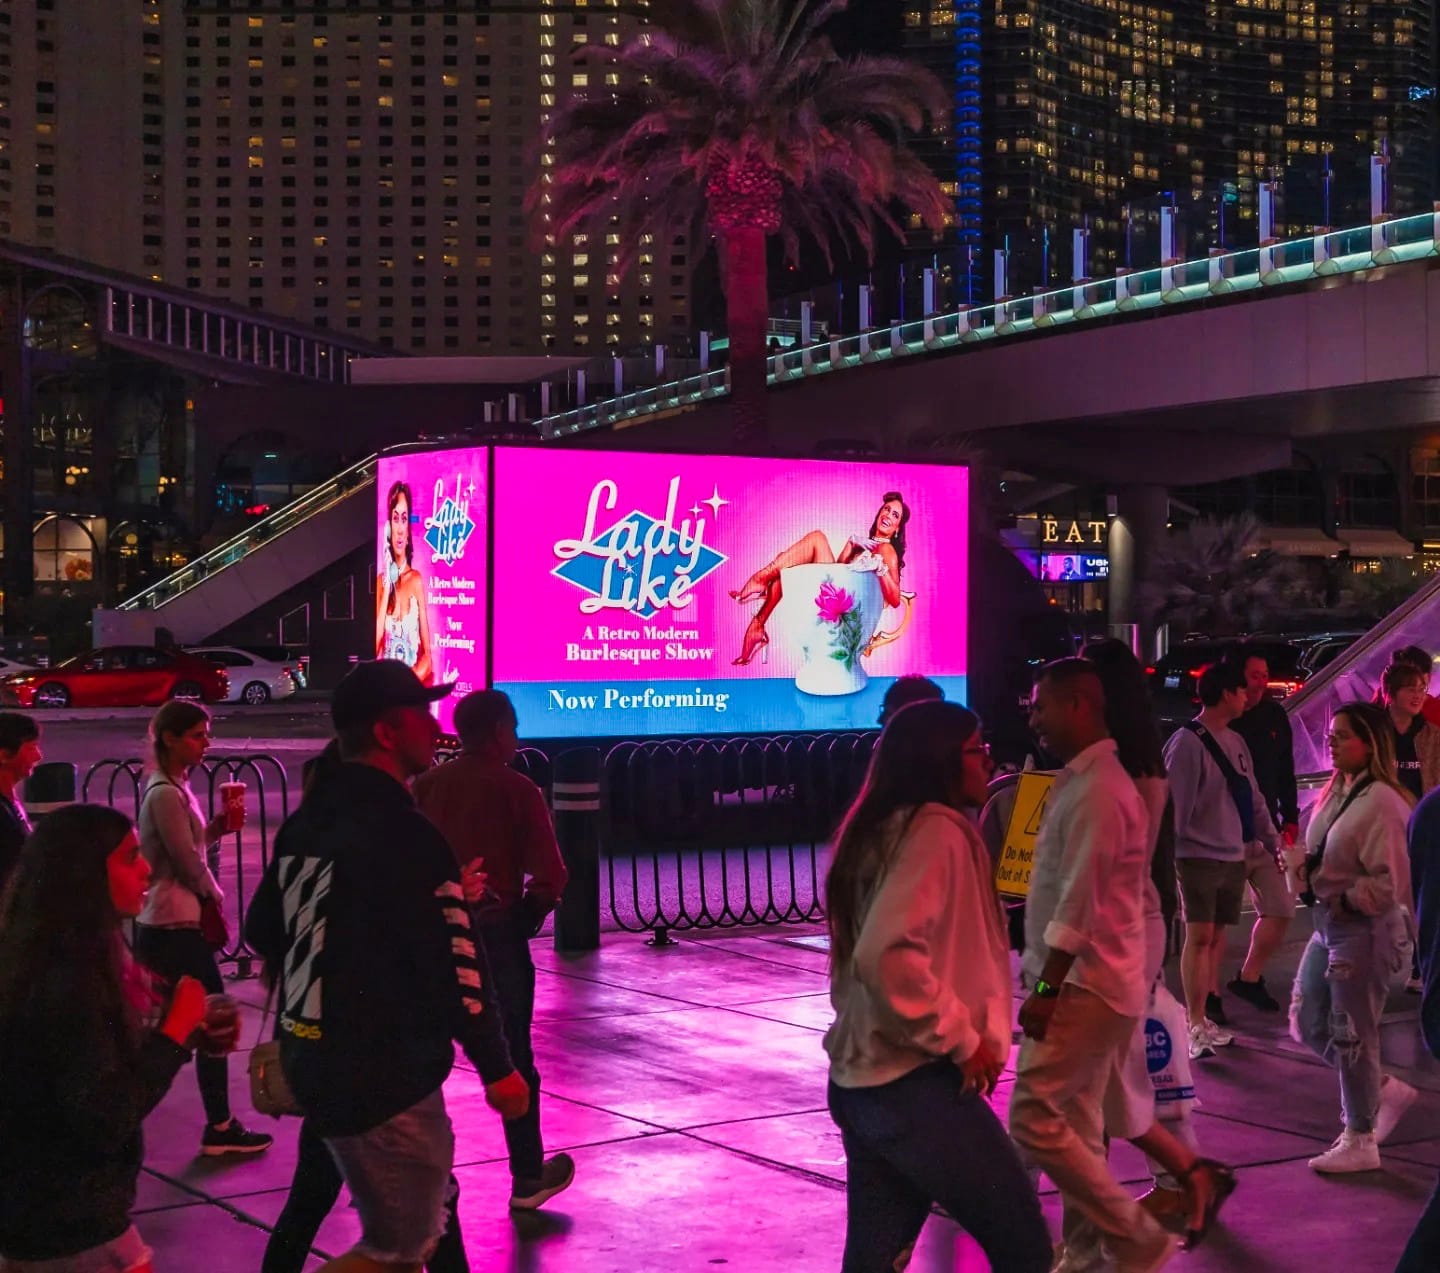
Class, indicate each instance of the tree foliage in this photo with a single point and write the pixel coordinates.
(1213, 577)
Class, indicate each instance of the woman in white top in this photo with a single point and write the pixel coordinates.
(921, 985)
(1357, 879)
(174, 837)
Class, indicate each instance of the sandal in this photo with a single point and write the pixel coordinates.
(1224, 1186)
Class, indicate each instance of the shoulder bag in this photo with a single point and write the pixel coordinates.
(269, 1089)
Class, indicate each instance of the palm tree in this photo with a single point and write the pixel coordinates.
(738, 117)
(1213, 577)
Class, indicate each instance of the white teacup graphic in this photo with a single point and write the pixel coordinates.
(829, 617)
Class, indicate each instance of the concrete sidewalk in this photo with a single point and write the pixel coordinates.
(689, 1082)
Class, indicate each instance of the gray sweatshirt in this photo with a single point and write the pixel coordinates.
(1207, 823)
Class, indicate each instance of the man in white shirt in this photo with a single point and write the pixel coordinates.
(1084, 962)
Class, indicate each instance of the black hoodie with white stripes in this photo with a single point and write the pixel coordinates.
(361, 911)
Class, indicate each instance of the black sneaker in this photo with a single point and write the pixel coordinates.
(555, 1177)
(235, 1139)
(1254, 993)
(1215, 1010)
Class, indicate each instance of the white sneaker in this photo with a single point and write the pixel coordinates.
(1353, 1151)
(1220, 1038)
(1201, 1044)
(1206, 1037)
(1395, 1098)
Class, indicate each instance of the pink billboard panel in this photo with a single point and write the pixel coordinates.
(646, 594)
(430, 589)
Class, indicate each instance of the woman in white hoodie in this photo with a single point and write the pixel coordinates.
(921, 986)
(1357, 879)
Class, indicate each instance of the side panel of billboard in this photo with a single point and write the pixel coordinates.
(643, 594)
(431, 573)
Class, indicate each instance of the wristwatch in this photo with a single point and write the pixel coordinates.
(1044, 990)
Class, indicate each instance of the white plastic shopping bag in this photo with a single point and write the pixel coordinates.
(1167, 1055)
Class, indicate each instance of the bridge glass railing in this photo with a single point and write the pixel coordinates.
(264, 531)
(1289, 261)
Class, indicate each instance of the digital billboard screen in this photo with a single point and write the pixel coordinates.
(1073, 567)
(643, 594)
(430, 589)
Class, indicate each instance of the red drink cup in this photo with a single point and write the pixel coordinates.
(232, 798)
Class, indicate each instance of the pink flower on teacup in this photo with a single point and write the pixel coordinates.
(833, 603)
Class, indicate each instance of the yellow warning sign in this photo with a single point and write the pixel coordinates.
(1012, 874)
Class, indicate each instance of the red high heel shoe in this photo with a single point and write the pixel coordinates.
(756, 638)
(757, 585)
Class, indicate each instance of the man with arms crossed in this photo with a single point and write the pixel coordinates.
(1085, 964)
(1265, 727)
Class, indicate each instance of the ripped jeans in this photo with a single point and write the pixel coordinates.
(1335, 1009)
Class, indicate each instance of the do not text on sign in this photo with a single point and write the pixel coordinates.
(1012, 874)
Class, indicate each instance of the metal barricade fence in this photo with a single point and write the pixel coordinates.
(718, 833)
(120, 784)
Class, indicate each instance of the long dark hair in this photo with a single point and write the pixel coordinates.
(1128, 713)
(897, 540)
(917, 761)
(66, 977)
(396, 491)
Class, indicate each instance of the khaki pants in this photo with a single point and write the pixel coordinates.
(1057, 1114)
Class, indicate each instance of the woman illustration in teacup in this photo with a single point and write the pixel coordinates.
(402, 611)
(880, 550)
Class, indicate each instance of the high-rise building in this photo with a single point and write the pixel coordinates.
(1100, 109)
(358, 164)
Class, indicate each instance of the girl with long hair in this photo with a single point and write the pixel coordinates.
(1356, 875)
(175, 837)
(79, 1067)
(880, 549)
(920, 982)
(1186, 1184)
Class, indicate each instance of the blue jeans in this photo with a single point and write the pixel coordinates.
(922, 1140)
(1422, 1252)
(1339, 996)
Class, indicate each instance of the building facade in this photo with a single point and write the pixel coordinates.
(358, 166)
(1076, 112)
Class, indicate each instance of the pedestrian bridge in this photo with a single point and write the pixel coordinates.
(1348, 329)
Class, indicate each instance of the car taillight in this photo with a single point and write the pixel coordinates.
(1197, 672)
(1149, 671)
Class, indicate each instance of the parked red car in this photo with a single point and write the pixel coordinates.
(118, 676)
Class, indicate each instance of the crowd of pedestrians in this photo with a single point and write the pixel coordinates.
(395, 916)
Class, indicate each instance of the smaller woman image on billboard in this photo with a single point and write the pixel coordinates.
(402, 613)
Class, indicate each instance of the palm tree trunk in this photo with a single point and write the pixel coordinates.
(747, 308)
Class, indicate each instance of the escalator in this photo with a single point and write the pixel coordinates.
(1355, 675)
(239, 576)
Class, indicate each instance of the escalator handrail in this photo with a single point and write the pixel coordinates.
(315, 500)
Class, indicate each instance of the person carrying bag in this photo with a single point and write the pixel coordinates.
(172, 936)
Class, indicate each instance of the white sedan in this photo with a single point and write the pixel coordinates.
(253, 680)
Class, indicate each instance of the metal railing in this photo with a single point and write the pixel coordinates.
(1291, 261)
(356, 478)
(721, 833)
(120, 784)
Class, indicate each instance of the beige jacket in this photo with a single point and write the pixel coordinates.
(1366, 859)
(172, 840)
(930, 976)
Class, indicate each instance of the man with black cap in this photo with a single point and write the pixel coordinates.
(361, 918)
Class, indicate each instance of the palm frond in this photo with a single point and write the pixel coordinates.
(730, 82)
